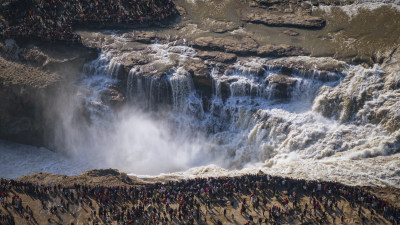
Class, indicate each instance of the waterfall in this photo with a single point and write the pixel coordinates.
(260, 117)
(131, 87)
(175, 88)
(147, 91)
(182, 86)
(114, 70)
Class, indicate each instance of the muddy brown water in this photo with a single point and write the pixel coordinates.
(363, 37)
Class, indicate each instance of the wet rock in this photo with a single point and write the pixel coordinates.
(291, 33)
(231, 44)
(225, 88)
(248, 66)
(145, 37)
(281, 84)
(284, 19)
(217, 56)
(323, 69)
(242, 47)
(279, 50)
(202, 80)
(135, 59)
(280, 79)
(150, 85)
(113, 97)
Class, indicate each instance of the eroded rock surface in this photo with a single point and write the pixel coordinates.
(324, 69)
(279, 51)
(284, 19)
(217, 56)
(30, 79)
(282, 84)
(242, 46)
(237, 45)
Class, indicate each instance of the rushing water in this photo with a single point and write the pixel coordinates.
(167, 128)
(249, 129)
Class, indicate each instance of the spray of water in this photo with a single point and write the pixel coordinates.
(252, 128)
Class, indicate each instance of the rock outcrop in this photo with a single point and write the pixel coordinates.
(284, 19)
(324, 69)
(282, 84)
(279, 51)
(236, 45)
(222, 57)
(146, 37)
(23, 94)
(283, 13)
(241, 46)
(30, 78)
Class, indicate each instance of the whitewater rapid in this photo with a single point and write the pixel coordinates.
(353, 10)
(250, 130)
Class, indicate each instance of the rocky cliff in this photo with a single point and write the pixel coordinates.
(30, 79)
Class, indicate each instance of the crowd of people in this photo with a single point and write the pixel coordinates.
(53, 20)
(276, 200)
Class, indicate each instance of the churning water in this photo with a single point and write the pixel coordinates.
(248, 125)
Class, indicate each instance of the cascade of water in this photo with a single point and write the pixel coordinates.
(182, 86)
(250, 122)
(114, 69)
(98, 66)
(147, 91)
(130, 89)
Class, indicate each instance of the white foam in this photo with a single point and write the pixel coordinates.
(353, 9)
(241, 134)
